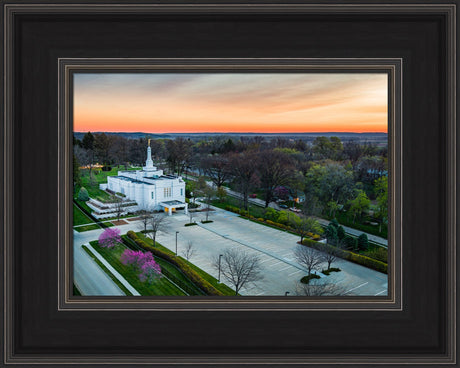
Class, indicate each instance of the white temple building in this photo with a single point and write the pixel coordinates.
(149, 188)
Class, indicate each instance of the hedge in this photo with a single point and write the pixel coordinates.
(184, 267)
(350, 256)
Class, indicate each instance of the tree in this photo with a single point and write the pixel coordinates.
(156, 223)
(307, 225)
(143, 263)
(189, 251)
(363, 242)
(333, 207)
(349, 242)
(179, 154)
(275, 169)
(329, 256)
(76, 172)
(83, 194)
(359, 204)
(88, 144)
(331, 234)
(239, 267)
(319, 288)
(110, 237)
(243, 167)
(381, 191)
(119, 206)
(308, 257)
(102, 145)
(221, 193)
(216, 167)
(145, 218)
(208, 193)
(340, 233)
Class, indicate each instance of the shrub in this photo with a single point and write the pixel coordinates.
(379, 253)
(204, 222)
(191, 224)
(363, 242)
(83, 194)
(306, 279)
(350, 256)
(184, 267)
(350, 242)
(106, 168)
(260, 219)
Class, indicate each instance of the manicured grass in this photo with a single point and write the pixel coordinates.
(106, 270)
(79, 218)
(81, 229)
(160, 286)
(224, 289)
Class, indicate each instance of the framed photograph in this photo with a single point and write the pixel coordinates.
(229, 184)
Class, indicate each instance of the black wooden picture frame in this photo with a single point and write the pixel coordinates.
(43, 325)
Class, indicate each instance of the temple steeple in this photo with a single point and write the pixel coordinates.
(149, 163)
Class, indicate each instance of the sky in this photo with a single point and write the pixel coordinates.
(230, 102)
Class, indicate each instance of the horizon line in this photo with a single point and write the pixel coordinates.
(140, 132)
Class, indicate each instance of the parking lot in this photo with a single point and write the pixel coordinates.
(275, 249)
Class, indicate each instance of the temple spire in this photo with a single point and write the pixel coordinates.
(149, 163)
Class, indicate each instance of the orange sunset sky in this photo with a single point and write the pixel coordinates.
(230, 102)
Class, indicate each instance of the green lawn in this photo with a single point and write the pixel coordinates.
(106, 270)
(79, 218)
(213, 281)
(81, 229)
(161, 286)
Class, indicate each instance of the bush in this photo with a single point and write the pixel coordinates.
(380, 253)
(191, 224)
(363, 242)
(306, 279)
(83, 194)
(184, 267)
(350, 256)
(106, 168)
(205, 222)
(350, 242)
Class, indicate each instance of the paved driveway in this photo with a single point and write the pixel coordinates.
(274, 247)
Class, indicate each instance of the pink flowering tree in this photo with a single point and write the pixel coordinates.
(110, 237)
(144, 263)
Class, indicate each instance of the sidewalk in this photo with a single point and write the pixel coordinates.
(114, 272)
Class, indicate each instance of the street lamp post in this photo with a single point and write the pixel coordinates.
(286, 293)
(220, 258)
(177, 232)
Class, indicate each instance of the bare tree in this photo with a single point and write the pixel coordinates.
(320, 288)
(155, 222)
(145, 217)
(189, 251)
(243, 168)
(217, 168)
(329, 255)
(239, 267)
(308, 257)
(275, 169)
(119, 206)
(208, 193)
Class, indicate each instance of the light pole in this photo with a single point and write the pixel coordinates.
(177, 232)
(286, 293)
(220, 258)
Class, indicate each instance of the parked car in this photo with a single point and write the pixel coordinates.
(283, 206)
(252, 195)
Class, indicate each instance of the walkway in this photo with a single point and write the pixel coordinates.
(113, 271)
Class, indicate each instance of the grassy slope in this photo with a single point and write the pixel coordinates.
(79, 218)
(160, 286)
(213, 281)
